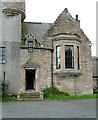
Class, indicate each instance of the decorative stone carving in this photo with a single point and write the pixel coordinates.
(32, 38)
(14, 8)
(31, 64)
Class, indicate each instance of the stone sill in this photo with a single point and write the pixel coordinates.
(67, 72)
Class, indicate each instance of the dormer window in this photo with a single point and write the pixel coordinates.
(30, 46)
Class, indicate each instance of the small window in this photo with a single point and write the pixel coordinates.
(69, 56)
(30, 46)
(78, 57)
(2, 54)
(58, 62)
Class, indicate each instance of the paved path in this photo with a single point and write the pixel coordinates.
(51, 109)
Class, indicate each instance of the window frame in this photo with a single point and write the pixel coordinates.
(30, 46)
(58, 64)
(2, 55)
(78, 58)
(70, 58)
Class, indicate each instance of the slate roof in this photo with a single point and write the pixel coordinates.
(35, 28)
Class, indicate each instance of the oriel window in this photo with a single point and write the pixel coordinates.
(69, 56)
(58, 61)
(30, 46)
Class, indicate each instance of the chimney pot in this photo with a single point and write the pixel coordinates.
(76, 17)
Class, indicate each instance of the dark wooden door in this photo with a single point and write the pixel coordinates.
(30, 79)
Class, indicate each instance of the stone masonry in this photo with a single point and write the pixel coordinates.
(31, 55)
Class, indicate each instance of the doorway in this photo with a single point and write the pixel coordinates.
(30, 79)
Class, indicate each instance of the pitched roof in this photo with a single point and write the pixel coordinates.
(65, 23)
(37, 29)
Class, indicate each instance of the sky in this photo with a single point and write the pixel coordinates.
(48, 10)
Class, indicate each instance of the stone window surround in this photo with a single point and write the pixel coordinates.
(65, 71)
(23, 79)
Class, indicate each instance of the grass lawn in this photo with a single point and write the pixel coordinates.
(8, 99)
(55, 97)
(61, 97)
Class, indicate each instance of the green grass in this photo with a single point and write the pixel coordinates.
(52, 93)
(61, 97)
(55, 97)
(8, 99)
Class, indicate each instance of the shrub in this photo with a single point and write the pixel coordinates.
(4, 85)
(53, 91)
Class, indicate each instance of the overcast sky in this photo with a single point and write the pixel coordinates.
(48, 10)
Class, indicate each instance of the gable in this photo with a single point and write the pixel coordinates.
(65, 23)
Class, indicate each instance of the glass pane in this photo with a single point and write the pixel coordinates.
(78, 57)
(58, 57)
(69, 56)
(2, 55)
(58, 49)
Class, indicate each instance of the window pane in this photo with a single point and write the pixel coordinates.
(2, 55)
(58, 57)
(69, 56)
(78, 57)
(30, 46)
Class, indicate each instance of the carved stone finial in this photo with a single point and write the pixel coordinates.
(66, 10)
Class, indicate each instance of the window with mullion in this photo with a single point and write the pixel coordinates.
(69, 56)
(30, 46)
(2, 54)
(58, 61)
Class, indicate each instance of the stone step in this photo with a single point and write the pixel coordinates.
(29, 95)
(28, 99)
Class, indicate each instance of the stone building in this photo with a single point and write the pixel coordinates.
(34, 56)
(95, 71)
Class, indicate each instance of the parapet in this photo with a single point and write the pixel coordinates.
(14, 7)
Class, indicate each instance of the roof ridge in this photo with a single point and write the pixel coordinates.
(37, 22)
